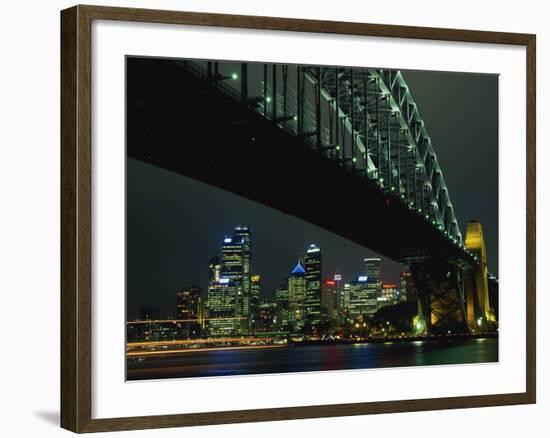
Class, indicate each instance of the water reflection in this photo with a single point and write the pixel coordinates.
(316, 358)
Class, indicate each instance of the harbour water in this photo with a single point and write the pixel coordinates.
(300, 358)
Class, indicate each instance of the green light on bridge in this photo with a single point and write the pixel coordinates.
(268, 99)
(354, 159)
(234, 76)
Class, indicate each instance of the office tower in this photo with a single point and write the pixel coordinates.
(281, 299)
(313, 268)
(189, 312)
(235, 258)
(363, 294)
(373, 272)
(390, 295)
(296, 298)
(330, 297)
(343, 302)
(254, 296)
(243, 234)
(222, 321)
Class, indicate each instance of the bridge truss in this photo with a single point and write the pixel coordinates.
(366, 121)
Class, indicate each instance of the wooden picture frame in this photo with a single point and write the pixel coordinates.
(76, 217)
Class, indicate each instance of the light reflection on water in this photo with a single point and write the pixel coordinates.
(316, 358)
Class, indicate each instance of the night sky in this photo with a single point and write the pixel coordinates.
(176, 224)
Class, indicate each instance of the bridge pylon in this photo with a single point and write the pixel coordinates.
(440, 297)
(476, 286)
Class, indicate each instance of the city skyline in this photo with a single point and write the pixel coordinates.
(149, 187)
(272, 275)
(237, 171)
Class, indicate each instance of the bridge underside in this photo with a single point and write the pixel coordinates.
(179, 122)
(441, 296)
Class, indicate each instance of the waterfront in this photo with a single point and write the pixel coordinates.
(301, 358)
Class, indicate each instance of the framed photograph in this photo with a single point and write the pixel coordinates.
(268, 218)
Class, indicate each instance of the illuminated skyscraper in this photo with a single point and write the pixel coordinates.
(373, 272)
(330, 298)
(243, 234)
(296, 298)
(235, 257)
(281, 299)
(189, 312)
(313, 268)
(390, 295)
(254, 296)
(222, 321)
(372, 268)
(363, 298)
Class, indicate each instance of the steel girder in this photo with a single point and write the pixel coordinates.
(365, 119)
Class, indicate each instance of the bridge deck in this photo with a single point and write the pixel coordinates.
(177, 121)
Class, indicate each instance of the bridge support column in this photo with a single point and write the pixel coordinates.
(480, 315)
(440, 296)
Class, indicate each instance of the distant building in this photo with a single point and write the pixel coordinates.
(408, 292)
(282, 303)
(229, 274)
(266, 318)
(373, 268)
(222, 321)
(296, 298)
(330, 297)
(390, 295)
(363, 295)
(244, 235)
(254, 297)
(312, 303)
(189, 312)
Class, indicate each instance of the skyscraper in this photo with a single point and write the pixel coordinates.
(296, 298)
(189, 311)
(330, 298)
(234, 259)
(243, 234)
(372, 268)
(363, 294)
(312, 303)
(254, 296)
(222, 321)
(281, 298)
(373, 273)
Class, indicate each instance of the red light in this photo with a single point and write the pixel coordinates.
(330, 282)
(389, 286)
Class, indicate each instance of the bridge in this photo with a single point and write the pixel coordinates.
(343, 148)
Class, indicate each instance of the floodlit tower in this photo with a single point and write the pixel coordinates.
(477, 288)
